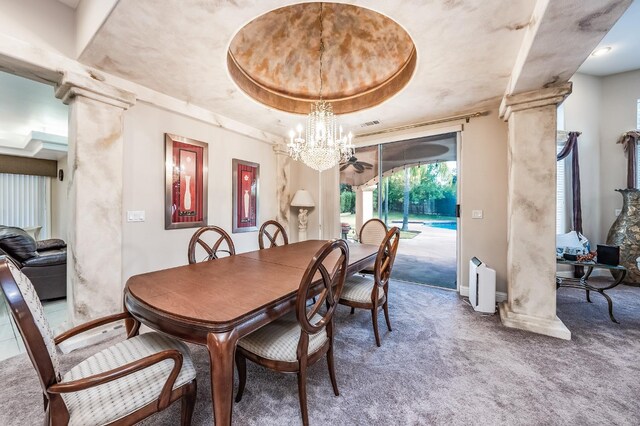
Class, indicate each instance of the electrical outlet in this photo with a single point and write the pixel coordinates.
(618, 211)
(135, 216)
(476, 214)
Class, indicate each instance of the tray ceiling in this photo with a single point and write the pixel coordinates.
(465, 50)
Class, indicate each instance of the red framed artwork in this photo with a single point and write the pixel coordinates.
(186, 182)
(246, 182)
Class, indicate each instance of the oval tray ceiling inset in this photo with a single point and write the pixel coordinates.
(275, 58)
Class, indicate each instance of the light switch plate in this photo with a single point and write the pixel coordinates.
(476, 214)
(618, 211)
(135, 216)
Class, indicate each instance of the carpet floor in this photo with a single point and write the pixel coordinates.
(441, 364)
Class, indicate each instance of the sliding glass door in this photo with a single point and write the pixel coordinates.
(412, 184)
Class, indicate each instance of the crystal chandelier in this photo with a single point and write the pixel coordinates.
(324, 144)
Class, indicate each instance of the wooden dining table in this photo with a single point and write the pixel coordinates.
(218, 302)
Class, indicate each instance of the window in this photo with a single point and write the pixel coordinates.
(25, 201)
(561, 201)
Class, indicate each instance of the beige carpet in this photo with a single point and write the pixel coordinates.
(442, 364)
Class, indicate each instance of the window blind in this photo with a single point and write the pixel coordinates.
(561, 199)
(25, 202)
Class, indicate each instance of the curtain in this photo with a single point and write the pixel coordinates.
(571, 147)
(629, 142)
(25, 201)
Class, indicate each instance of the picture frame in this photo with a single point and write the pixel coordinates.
(245, 190)
(186, 182)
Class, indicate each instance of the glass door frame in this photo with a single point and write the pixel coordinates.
(457, 129)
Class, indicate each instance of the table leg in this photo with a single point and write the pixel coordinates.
(610, 303)
(584, 279)
(222, 348)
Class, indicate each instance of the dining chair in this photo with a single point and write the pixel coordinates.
(372, 232)
(272, 229)
(366, 292)
(200, 238)
(299, 339)
(120, 385)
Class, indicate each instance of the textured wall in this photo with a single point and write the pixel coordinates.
(147, 245)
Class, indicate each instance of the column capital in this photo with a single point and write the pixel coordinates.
(72, 85)
(534, 99)
(280, 149)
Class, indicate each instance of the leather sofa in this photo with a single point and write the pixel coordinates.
(44, 262)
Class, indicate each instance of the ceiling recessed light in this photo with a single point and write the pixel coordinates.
(601, 51)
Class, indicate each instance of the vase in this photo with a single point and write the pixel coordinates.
(246, 203)
(625, 233)
(187, 193)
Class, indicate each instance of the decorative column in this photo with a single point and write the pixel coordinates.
(283, 194)
(364, 205)
(95, 157)
(531, 263)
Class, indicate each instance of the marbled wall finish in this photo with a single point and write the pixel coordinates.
(362, 49)
(466, 51)
(531, 212)
(95, 214)
(283, 195)
(95, 158)
(531, 207)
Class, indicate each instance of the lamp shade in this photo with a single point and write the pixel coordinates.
(302, 198)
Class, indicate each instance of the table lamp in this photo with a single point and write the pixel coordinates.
(302, 199)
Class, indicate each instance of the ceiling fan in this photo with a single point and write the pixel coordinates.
(359, 166)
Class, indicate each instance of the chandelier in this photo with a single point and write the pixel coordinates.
(324, 144)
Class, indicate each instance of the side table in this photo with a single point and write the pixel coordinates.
(583, 284)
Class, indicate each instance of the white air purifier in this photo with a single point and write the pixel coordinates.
(482, 287)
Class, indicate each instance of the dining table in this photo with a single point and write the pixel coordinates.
(216, 303)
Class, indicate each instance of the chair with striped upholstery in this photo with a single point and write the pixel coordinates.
(371, 293)
(122, 384)
(292, 343)
(272, 229)
(372, 232)
(201, 238)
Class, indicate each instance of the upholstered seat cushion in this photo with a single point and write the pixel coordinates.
(111, 401)
(278, 340)
(358, 289)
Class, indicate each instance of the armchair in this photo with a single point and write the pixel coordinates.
(122, 384)
(44, 262)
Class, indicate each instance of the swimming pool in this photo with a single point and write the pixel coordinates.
(442, 225)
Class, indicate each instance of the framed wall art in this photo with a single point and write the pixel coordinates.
(186, 182)
(246, 183)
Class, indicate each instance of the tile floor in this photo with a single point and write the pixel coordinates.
(10, 340)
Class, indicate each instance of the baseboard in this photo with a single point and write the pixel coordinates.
(500, 295)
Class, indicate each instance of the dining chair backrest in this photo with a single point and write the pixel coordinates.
(28, 314)
(212, 251)
(386, 256)
(326, 272)
(373, 232)
(272, 229)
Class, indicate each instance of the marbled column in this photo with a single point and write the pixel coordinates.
(94, 260)
(283, 194)
(531, 265)
(364, 206)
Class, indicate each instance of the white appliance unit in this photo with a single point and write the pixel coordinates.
(482, 287)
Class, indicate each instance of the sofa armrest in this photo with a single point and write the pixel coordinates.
(51, 244)
(47, 258)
